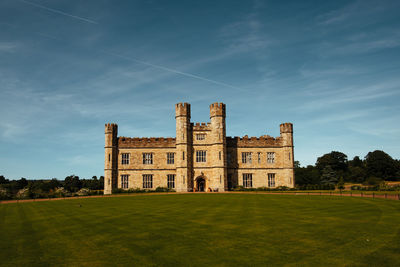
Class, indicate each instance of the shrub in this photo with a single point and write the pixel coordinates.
(373, 181)
(356, 187)
(164, 189)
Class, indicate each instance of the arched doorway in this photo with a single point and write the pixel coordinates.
(200, 184)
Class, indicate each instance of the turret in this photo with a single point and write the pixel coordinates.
(111, 157)
(286, 130)
(182, 110)
(183, 147)
(217, 116)
(218, 148)
(111, 133)
(217, 110)
(287, 133)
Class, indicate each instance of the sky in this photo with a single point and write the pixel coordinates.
(67, 67)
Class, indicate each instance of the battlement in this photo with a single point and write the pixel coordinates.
(201, 126)
(245, 141)
(182, 109)
(217, 109)
(144, 142)
(111, 127)
(286, 127)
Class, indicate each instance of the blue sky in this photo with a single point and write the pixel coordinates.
(67, 67)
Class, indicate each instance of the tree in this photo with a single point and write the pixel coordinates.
(356, 162)
(336, 160)
(357, 174)
(21, 183)
(308, 175)
(94, 183)
(3, 180)
(340, 184)
(329, 176)
(72, 183)
(297, 164)
(54, 183)
(101, 183)
(381, 165)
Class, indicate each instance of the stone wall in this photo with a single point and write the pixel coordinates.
(223, 155)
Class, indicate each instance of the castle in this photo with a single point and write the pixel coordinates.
(200, 158)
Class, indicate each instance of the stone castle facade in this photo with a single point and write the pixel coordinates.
(200, 158)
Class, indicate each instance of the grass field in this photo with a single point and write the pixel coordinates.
(202, 229)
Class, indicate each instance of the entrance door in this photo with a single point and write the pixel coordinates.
(200, 184)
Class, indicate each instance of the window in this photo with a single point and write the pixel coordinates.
(124, 181)
(271, 157)
(109, 157)
(247, 179)
(125, 159)
(200, 136)
(220, 155)
(183, 155)
(170, 158)
(259, 157)
(271, 179)
(171, 180)
(246, 157)
(147, 158)
(201, 156)
(147, 180)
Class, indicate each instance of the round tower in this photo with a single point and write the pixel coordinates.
(183, 147)
(111, 157)
(218, 147)
(286, 130)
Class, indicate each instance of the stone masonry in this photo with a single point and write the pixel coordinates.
(200, 158)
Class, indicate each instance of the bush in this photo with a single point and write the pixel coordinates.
(138, 190)
(373, 181)
(356, 187)
(164, 189)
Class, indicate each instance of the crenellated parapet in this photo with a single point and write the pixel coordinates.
(217, 109)
(111, 133)
(245, 141)
(201, 126)
(110, 127)
(286, 127)
(182, 110)
(200, 158)
(137, 142)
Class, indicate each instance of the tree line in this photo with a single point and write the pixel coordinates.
(334, 169)
(330, 171)
(71, 186)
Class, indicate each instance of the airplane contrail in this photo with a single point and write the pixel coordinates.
(129, 58)
(59, 12)
(172, 70)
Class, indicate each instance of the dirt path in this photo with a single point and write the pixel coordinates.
(373, 195)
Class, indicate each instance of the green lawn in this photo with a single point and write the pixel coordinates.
(202, 229)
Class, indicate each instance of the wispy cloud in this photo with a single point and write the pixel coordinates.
(351, 13)
(59, 12)
(330, 71)
(367, 46)
(8, 47)
(333, 96)
(245, 35)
